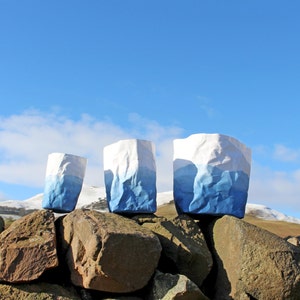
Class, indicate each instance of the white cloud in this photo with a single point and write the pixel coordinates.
(275, 181)
(261, 150)
(28, 138)
(286, 154)
(276, 189)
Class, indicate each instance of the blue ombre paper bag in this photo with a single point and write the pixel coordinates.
(63, 182)
(130, 176)
(211, 175)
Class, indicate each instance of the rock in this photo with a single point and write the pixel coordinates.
(39, 291)
(293, 240)
(108, 252)
(184, 248)
(174, 287)
(2, 224)
(253, 263)
(93, 295)
(28, 247)
(123, 298)
(147, 218)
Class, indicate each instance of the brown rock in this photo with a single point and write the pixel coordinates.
(28, 247)
(39, 291)
(253, 263)
(108, 252)
(184, 248)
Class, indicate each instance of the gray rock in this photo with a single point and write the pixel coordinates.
(184, 247)
(174, 287)
(2, 224)
(108, 252)
(28, 247)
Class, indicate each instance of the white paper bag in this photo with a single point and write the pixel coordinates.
(211, 175)
(130, 176)
(63, 182)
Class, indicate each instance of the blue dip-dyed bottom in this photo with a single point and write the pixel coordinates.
(210, 190)
(61, 193)
(134, 194)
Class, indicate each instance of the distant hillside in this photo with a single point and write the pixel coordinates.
(280, 228)
(92, 197)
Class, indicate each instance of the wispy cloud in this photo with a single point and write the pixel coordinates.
(28, 138)
(286, 154)
(275, 179)
(275, 188)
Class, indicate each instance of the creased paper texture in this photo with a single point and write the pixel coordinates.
(130, 176)
(211, 175)
(63, 182)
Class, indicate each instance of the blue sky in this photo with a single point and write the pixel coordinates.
(76, 76)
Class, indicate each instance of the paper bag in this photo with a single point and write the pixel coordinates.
(211, 175)
(63, 182)
(130, 176)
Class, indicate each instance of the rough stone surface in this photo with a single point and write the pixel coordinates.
(2, 224)
(253, 263)
(184, 248)
(40, 291)
(28, 247)
(174, 287)
(108, 252)
(294, 240)
(95, 295)
(113, 257)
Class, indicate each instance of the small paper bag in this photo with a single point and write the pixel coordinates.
(63, 182)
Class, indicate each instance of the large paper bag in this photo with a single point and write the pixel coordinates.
(211, 175)
(130, 176)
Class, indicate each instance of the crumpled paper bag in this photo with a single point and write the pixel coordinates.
(211, 175)
(63, 182)
(130, 176)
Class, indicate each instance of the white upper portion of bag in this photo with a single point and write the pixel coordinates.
(216, 150)
(60, 164)
(129, 154)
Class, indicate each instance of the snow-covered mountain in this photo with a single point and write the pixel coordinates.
(92, 194)
(267, 213)
(88, 195)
